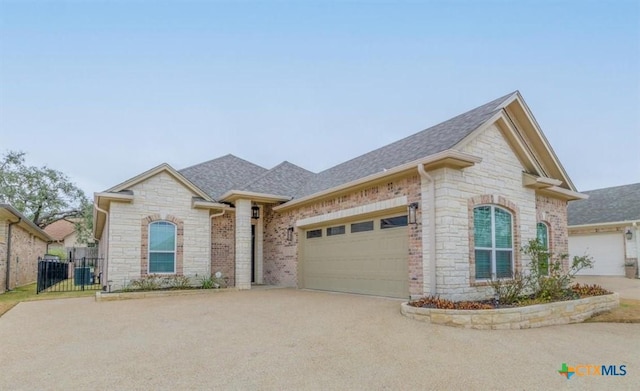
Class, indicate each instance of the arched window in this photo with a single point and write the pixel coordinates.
(162, 247)
(493, 238)
(542, 233)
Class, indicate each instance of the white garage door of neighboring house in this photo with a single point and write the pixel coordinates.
(607, 251)
(368, 257)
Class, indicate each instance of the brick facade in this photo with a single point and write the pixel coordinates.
(553, 212)
(281, 255)
(25, 251)
(223, 247)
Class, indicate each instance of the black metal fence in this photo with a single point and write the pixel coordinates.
(69, 275)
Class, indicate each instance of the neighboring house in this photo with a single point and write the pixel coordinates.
(439, 212)
(21, 243)
(63, 233)
(606, 226)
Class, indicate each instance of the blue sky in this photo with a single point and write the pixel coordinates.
(106, 90)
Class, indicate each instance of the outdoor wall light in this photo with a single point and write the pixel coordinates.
(628, 234)
(290, 233)
(255, 212)
(413, 209)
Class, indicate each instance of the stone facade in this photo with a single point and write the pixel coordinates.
(207, 245)
(163, 198)
(496, 180)
(281, 255)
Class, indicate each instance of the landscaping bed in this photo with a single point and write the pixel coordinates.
(540, 295)
(516, 317)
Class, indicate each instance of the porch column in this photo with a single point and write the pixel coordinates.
(243, 244)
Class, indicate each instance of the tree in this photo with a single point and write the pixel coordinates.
(43, 194)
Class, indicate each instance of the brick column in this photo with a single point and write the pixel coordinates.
(243, 244)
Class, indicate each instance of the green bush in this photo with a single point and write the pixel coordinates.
(546, 280)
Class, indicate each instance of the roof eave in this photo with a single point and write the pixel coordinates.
(448, 158)
(234, 195)
(25, 223)
(562, 193)
(203, 204)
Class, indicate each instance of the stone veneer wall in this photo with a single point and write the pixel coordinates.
(223, 248)
(281, 255)
(497, 180)
(163, 197)
(540, 315)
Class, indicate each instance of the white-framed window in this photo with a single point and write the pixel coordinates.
(162, 247)
(542, 233)
(493, 241)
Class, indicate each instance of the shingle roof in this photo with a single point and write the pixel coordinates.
(60, 229)
(611, 204)
(229, 172)
(284, 179)
(427, 142)
(217, 176)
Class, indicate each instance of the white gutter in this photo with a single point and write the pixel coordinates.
(609, 224)
(432, 228)
(105, 278)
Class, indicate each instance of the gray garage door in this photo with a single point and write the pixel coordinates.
(367, 257)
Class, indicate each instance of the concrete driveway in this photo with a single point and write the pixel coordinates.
(286, 339)
(627, 288)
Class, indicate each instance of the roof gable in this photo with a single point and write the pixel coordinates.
(430, 141)
(284, 179)
(164, 167)
(611, 204)
(220, 175)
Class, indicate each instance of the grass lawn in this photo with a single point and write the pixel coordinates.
(28, 293)
(628, 312)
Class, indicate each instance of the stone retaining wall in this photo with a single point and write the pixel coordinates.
(540, 315)
(105, 296)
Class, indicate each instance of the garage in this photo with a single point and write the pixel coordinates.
(366, 256)
(607, 250)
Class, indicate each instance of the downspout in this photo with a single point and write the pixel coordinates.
(432, 228)
(11, 223)
(105, 278)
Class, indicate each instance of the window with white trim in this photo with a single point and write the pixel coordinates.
(493, 241)
(542, 233)
(162, 247)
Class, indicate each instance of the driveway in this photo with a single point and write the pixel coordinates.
(627, 288)
(286, 339)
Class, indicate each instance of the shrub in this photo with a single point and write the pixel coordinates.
(147, 283)
(437, 302)
(214, 281)
(509, 291)
(586, 290)
(178, 282)
(546, 280)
